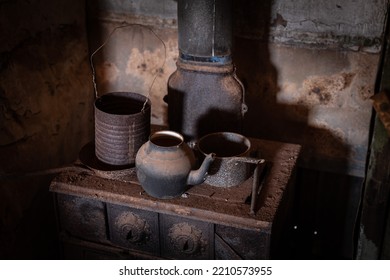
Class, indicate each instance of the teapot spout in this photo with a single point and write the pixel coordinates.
(198, 176)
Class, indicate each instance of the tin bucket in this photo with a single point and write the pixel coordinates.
(230, 166)
(122, 126)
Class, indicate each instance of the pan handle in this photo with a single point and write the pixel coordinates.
(256, 178)
(256, 186)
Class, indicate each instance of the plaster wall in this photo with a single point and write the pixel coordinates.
(309, 66)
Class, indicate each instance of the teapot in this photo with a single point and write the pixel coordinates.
(165, 165)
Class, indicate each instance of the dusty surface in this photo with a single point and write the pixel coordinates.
(200, 202)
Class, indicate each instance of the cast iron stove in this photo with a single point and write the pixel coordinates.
(105, 213)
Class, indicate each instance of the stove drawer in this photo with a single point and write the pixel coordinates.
(134, 229)
(183, 238)
(236, 243)
(81, 217)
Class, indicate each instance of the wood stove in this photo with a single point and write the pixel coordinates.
(106, 214)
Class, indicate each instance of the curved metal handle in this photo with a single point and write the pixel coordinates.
(256, 178)
(244, 107)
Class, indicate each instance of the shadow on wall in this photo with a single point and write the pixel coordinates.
(45, 117)
(325, 203)
(267, 117)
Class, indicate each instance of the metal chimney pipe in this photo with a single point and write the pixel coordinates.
(204, 94)
(205, 30)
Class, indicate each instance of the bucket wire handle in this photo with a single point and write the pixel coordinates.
(244, 107)
(106, 41)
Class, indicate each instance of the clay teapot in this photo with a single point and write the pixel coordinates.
(165, 165)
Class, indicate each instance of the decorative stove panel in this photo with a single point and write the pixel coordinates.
(108, 215)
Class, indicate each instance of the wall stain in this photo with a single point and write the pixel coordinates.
(279, 20)
(365, 92)
(324, 89)
(323, 96)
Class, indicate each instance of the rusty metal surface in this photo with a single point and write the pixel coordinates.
(122, 125)
(205, 29)
(227, 169)
(166, 165)
(88, 159)
(282, 160)
(200, 102)
(206, 222)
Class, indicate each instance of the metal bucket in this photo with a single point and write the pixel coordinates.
(122, 125)
(230, 166)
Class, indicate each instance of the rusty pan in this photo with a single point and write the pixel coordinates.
(232, 164)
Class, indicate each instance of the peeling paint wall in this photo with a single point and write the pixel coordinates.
(317, 98)
(136, 58)
(316, 70)
(309, 66)
(352, 24)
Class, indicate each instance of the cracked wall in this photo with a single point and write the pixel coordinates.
(309, 66)
(45, 88)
